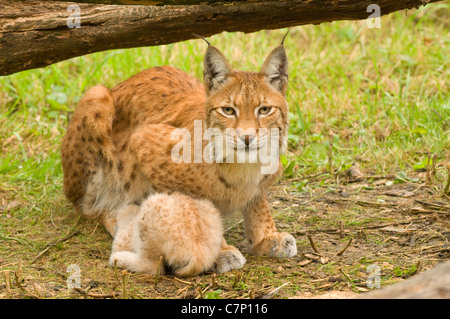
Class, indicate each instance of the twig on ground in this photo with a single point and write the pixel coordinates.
(124, 284)
(313, 245)
(447, 187)
(273, 292)
(433, 205)
(19, 285)
(330, 156)
(447, 124)
(92, 295)
(345, 275)
(53, 245)
(7, 281)
(201, 293)
(345, 248)
(363, 203)
(182, 281)
(334, 230)
(160, 264)
(428, 169)
(341, 230)
(370, 177)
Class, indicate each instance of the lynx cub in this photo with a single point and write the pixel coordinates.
(187, 233)
(119, 145)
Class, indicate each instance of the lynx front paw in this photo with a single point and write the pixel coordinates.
(124, 259)
(230, 258)
(276, 245)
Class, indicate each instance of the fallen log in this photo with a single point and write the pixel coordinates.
(38, 33)
(431, 284)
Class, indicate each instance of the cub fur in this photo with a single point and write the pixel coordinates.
(186, 233)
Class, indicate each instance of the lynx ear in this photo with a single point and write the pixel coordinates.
(216, 69)
(275, 69)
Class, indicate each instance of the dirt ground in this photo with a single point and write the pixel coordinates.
(347, 228)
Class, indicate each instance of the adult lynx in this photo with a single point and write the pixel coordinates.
(118, 147)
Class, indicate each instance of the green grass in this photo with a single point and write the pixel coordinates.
(381, 96)
(381, 93)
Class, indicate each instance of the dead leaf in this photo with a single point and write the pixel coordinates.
(316, 257)
(304, 262)
(354, 171)
(312, 257)
(380, 182)
(326, 285)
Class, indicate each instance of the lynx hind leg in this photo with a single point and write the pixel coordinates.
(87, 147)
(191, 231)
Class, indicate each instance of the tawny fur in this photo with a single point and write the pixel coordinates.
(117, 150)
(186, 233)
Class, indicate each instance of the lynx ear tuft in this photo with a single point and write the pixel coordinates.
(200, 37)
(216, 69)
(275, 69)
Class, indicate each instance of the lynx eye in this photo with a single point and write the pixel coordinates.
(264, 110)
(228, 110)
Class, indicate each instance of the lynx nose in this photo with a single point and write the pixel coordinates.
(246, 136)
(247, 139)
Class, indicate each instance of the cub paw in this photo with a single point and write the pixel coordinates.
(277, 245)
(230, 258)
(123, 259)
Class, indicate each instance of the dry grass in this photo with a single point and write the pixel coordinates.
(403, 229)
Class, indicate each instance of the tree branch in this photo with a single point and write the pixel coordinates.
(36, 34)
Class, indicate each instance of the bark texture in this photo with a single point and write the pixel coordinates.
(431, 284)
(35, 33)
